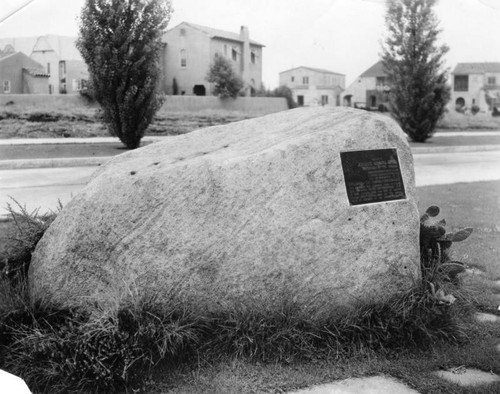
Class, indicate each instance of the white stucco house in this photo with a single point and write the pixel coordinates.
(189, 50)
(476, 84)
(313, 86)
(369, 90)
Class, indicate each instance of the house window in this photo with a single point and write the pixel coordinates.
(252, 57)
(6, 86)
(182, 32)
(62, 68)
(461, 83)
(234, 54)
(492, 81)
(48, 68)
(293, 78)
(380, 81)
(225, 50)
(183, 58)
(76, 85)
(300, 100)
(324, 99)
(305, 80)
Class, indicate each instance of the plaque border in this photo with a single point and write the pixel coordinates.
(375, 202)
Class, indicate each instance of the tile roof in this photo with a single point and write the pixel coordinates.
(220, 33)
(64, 46)
(319, 70)
(36, 72)
(476, 68)
(377, 70)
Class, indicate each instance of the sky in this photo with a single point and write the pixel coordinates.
(343, 36)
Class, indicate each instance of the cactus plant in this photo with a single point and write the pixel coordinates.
(435, 243)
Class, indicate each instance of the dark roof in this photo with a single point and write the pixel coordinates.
(476, 68)
(319, 70)
(377, 70)
(36, 72)
(220, 33)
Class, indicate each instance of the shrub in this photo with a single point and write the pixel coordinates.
(29, 228)
(436, 264)
(226, 82)
(474, 109)
(286, 92)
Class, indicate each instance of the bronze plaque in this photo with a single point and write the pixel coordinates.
(372, 176)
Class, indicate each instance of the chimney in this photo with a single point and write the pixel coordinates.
(245, 58)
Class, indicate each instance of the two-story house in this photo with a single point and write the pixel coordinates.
(369, 90)
(59, 57)
(476, 84)
(190, 50)
(313, 86)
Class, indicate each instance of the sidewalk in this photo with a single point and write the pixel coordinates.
(82, 152)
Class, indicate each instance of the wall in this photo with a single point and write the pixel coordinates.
(312, 96)
(474, 95)
(11, 70)
(250, 105)
(35, 84)
(357, 89)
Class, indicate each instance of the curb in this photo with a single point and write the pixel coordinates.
(53, 163)
(455, 149)
(99, 160)
(69, 141)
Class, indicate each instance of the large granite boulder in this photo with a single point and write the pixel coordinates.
(253, 214)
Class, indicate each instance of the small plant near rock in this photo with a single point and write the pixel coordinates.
(436, 264)
(29, 228)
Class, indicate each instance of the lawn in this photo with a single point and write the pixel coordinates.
(462, 205)
(17, 121)
(32, 122)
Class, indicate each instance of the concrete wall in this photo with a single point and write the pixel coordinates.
(250, 105)
(253, 105)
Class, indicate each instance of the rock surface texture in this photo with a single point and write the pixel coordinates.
(251, 214)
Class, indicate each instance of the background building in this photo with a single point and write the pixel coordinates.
(190, 49)
(21, 74)
(58, 56)
(476, 84)
(369, 90)
(313, 86)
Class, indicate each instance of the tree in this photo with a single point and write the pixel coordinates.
(286, 92)
(413, 63)
(120, 40)
(227, 82)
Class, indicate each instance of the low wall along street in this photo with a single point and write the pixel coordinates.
(312, 206)
(251, 105)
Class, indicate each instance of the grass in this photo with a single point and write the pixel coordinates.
(33, 122)
(264, 351)
(17, 121)
(457, 121)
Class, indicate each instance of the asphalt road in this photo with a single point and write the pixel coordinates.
(44, 187)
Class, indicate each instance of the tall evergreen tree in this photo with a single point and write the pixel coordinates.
(120, 40)
(414, 62)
